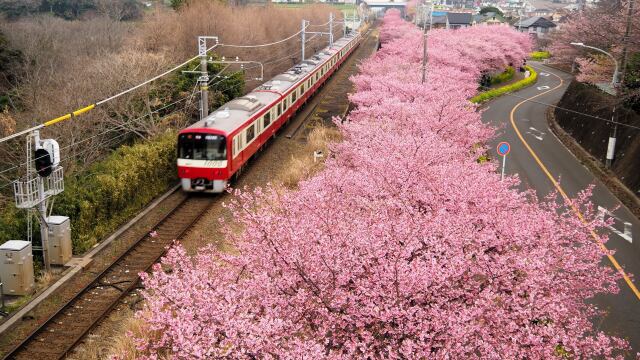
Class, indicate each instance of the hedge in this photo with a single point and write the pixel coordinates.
(493, 93)
(540, 55)
(108, 193)
(504, 76)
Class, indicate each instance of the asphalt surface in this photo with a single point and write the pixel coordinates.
(535, 139)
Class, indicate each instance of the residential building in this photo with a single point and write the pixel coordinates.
(489, 18)
(459, 20)
(535, 25)
(546, 13)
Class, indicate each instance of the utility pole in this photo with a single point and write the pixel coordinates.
(625, 42)
(42, 209)
(303, 34)
(203, 79)
(330, 30)
(611, 146)
(424, 41)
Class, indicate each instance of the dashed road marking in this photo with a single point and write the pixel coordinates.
(555, 183)
(626, 229)
(536, 133)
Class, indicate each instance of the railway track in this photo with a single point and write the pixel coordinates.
(332, 101)
(54, 338)
(61, 332)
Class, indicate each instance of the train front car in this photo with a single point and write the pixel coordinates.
(215, 148)
(203, 160)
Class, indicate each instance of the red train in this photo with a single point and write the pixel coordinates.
(215, 148)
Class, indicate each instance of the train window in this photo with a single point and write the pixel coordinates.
(235, 146)
(302, 89)
(251, 133)
(284, 104)
(294, 95)
(202, 147)
(267, 119)
(279, 109)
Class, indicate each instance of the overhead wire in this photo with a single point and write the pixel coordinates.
(90, 107)
(106, 131)
(264, 45)
(108, 142)
(569, 110)
(168, 105)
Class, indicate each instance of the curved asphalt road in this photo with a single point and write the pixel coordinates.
(523, 124)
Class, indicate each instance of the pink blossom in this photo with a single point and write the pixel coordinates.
(404, 246)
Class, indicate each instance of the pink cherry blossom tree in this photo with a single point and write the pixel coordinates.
(404, 246)
(602, 26)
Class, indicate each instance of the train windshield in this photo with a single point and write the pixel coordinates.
(202, 147)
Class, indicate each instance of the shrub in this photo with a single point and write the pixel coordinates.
(540, 55)
(504, 76)
(493, 93)
(111, 191)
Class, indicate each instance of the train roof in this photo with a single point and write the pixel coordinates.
(236, 112)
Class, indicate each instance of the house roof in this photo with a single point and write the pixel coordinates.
(459, 18)
(490, 16)
(440, 19)
(536, 21)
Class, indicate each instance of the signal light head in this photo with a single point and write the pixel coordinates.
(43, 163)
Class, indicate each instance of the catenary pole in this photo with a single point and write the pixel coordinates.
(302, 34)
(625, 42)
(330, 30)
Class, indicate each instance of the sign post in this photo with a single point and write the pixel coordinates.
(503, 149)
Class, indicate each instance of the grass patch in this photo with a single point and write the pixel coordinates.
(304, 167)
(493, 93)
(10, 308)
(539, 55)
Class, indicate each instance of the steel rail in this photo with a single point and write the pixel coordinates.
(97, 282)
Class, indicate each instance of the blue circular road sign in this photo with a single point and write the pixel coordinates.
(504, 148)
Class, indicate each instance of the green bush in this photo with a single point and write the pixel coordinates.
(539, 55)
(504, 76)
(107, 194)
(493, 93)
(113, 190)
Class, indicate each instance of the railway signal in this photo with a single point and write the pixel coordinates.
(33, 191)
(43, 163)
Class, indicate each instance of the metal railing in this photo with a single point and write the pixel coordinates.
(28, 192)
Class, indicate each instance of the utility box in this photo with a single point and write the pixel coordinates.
(59, 245)
(16, 267)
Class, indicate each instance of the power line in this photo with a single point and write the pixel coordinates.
(166, 106)
(108, 142)
(105, 131)
(188, 99)
(569, 110)
(94, 105)
(264, 45)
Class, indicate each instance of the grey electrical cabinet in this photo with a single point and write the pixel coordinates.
(16, 267)
(59, 245)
